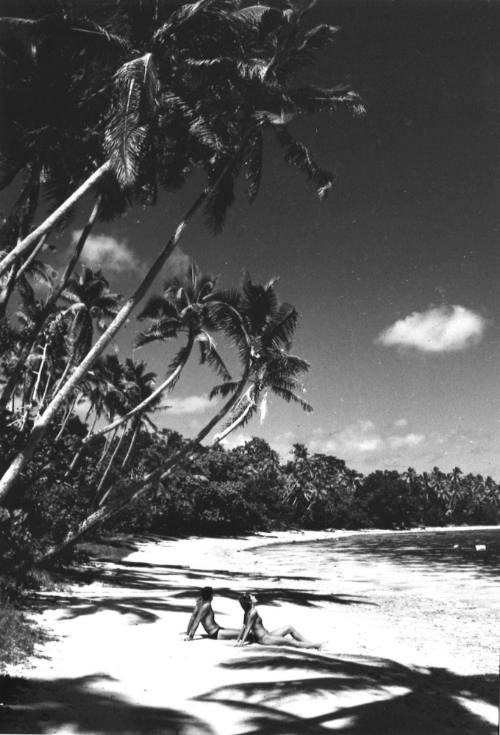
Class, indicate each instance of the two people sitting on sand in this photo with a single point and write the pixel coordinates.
(252, 631)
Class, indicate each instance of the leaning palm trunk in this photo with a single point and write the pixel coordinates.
(34, 396)
(108, 467)
(41, 425)
(31, 257)
(69, 411)
(23, 247)
(41, 318)
(237, 421)
(108, 442)
(172, 378)
(7, 290)
(136, 490)
(135, 434)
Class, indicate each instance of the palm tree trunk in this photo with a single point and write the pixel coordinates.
(108, 442)
(64, 373)
(108, 469)
(45, 390)
(134, 492)
(7, 290)
(31, 257)
(132, 443)
(22, 247)
(43, 422)
(226, 407)
(66, 417)
(37, 383)
(47, 309)
(235, 423)
(147, 401)
(79, 451)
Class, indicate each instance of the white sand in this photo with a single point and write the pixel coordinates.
(117, 661)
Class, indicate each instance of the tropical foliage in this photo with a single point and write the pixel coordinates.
(190, 87)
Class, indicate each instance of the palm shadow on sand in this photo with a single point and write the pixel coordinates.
(39, 706)
(425, 702)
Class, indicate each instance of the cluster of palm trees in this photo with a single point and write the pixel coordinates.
(117, 401)
(454, 495)
(117, 107)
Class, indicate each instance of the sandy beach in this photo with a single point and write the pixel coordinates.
(116, 659)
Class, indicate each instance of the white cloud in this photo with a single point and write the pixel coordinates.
(363, 438)
(190, 404)
(282, 443)
(178, 264)
(360, 437)
(440, 329)
(401, 423)
(235, 440)
(409, 440)
(103, 251)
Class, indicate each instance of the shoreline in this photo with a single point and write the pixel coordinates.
(118, 662)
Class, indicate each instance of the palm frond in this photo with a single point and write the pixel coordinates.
(224, 389)
(159, 307)
(210, 355)
(253, 164)
(291, 397)
(136, 92)
(282, 327)
(313, 41)
(160, 329)
(312, 100)
(298, 155)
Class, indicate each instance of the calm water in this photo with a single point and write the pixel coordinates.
(427, 551)
(425, 593)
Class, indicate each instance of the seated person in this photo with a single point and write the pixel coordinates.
(253, 630)
(204, 614)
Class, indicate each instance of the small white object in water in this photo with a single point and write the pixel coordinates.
(480, 547)
(456, 546)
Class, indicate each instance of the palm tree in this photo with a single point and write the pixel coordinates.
(235, 110)
(136, 388)
(43, 314)
(53, 96)
(261, 329)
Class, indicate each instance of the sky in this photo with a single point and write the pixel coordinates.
(395, 275)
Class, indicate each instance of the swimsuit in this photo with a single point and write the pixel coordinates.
(213, 635)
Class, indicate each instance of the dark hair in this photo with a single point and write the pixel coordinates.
(245, 601)
(207, 593)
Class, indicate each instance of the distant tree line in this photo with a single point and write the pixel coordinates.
(216, 491)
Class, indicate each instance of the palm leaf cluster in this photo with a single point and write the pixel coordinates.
(261, 328)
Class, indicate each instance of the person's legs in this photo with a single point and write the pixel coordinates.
(275, 640)
(288, 630)
(227, 634)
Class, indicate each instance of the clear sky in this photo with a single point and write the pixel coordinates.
(396, 274)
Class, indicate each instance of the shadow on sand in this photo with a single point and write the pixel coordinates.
(38, 706)
(418, 702)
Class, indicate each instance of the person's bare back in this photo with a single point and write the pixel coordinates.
(204, 614)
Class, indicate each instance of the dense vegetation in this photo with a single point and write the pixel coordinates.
(113, 107)
(138, 102)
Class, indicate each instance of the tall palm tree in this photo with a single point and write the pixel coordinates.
(55, 77)
(186, 307)
(50, 306)
(233, 109)
(262, 329)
